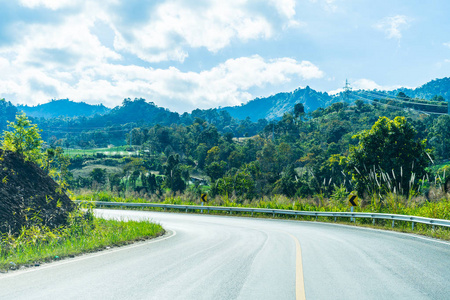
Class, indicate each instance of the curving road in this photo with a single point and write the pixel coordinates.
(217, 257)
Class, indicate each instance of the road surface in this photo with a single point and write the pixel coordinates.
(220, 257)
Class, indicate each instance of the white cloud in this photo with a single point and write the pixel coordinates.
(71, 59)
(285, 7)
(446, 44)
(226, 84)
(328, 5)
(367, 84)
(392, 26)
(336, 91)
(174, 27)
(51, 4)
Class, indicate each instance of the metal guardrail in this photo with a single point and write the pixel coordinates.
(352, 215)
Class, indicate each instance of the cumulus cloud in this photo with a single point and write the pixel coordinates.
(393, 26)
(226, 84)
(176, 26)
(446, 44)
(90, 54)
(367, 84)
(51, 4)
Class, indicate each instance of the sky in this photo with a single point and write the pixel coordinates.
(188, 54)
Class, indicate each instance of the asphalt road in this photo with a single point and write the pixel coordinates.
(218, 257)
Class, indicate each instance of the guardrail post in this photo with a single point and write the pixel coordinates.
(252, 213)
(273, 214)
(433, 227)
(412, 225)
(393, 223)
(186, 208)
(335, 219)
(230, 212)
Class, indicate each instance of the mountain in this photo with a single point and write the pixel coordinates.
(140, 111)
(63, 108)
(7, 113)
(436, 87)
(275, 106)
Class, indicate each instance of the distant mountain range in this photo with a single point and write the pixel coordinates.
(436, 87)
(63, 108)
(275, 106)
(268, 108)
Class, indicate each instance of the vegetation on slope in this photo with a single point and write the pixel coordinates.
(38, 222)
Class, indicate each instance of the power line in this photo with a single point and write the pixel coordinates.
(374, 94)
(367, 95)
(397, 107)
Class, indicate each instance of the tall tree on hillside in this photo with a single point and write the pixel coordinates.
(388, 157)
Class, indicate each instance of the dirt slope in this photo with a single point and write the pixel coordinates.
(28, 194)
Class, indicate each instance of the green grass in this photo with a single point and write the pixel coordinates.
(117, 150)
(85, 233)
(86, 170)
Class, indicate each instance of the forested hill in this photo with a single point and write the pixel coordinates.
(7, 113)
(63, 108)
(275, 106)
(436, 87)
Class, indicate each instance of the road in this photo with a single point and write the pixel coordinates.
(220, 257)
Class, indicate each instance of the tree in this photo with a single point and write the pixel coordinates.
(99, 175)
(299, 110)
(403, 96)
(215, 170)
(441, 132)
(174, 174)
(388, 157)
(24, 139)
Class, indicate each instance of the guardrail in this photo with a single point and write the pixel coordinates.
(296, 213)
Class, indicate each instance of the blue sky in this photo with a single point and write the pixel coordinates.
(187, 54)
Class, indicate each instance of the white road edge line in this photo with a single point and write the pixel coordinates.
(88, 256)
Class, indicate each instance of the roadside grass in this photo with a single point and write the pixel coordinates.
(85, 233)
(391, 204)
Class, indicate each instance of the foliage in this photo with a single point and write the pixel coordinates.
(24, 138)
(300, 154)
(388, 158)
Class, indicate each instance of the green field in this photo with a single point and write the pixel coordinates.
(117, 150)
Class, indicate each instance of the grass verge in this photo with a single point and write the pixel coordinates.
(85, 233)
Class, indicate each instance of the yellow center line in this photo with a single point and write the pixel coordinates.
(299, 280)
